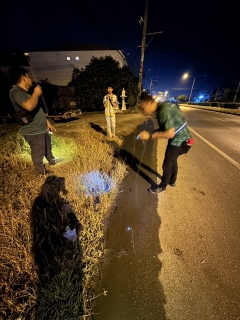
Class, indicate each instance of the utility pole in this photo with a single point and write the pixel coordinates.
(152, 85)
(143, 45)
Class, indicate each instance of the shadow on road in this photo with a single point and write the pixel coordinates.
(136, 164)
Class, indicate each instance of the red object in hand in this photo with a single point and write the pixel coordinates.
(190, 142)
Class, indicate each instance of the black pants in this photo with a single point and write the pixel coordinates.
(41, 147)
(170, 165)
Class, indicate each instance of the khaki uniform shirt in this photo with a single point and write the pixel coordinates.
(110, 110)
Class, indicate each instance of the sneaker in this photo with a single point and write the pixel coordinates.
(156, 190)
(55, 161)
(172, 184)
(45, 172)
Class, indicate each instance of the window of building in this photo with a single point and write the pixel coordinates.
(76, 58)
(68, 58)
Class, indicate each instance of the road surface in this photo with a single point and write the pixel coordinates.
(176, 255)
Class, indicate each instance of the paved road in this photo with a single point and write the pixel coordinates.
(176, 255)
(200, 231)
(222, 130)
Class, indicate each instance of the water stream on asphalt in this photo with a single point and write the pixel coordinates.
(130, 269)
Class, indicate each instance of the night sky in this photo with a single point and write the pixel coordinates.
(198, 37)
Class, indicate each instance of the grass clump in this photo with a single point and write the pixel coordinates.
(43, 275)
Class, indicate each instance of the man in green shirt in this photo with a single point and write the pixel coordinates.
(172, 126)
(34, 125)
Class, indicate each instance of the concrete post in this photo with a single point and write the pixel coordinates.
(123, 96)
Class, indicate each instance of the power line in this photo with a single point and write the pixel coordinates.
(95, 22)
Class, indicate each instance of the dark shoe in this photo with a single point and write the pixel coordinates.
(156, 190)
(172, 184)
(45, 172)
(55, 161)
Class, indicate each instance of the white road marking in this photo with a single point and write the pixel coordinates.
(235, 163)
(220, 119)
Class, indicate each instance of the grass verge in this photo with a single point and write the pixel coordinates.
(62, 289)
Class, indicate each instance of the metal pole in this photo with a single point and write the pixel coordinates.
(143, 46)
(236, 92)
(191, 90)
(216, 94)
(30, 64)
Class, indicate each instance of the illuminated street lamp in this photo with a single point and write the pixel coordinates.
(185, 76)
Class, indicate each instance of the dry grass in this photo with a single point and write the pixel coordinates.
(125, 123)
(84, 150)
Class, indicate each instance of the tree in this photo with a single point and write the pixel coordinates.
(90, 83)
(182, 98)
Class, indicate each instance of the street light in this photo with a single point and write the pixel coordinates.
(185, 76)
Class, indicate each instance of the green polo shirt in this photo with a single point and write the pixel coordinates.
(39, 124)
(169, 116)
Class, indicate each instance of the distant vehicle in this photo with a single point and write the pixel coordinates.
(58, 102)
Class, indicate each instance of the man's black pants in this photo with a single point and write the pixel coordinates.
(41, 147)
(170, 165)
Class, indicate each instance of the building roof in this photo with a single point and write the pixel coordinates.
(19, 59)
(79, 47)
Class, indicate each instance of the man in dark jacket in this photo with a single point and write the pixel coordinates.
(34, 125)
(172, 126)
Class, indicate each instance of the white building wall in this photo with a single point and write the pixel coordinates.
(54, 66)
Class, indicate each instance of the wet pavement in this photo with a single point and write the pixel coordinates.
(131, 268)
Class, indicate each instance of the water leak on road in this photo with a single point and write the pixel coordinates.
(130, 270)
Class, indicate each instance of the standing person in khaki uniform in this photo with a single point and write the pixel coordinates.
(110, 104)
